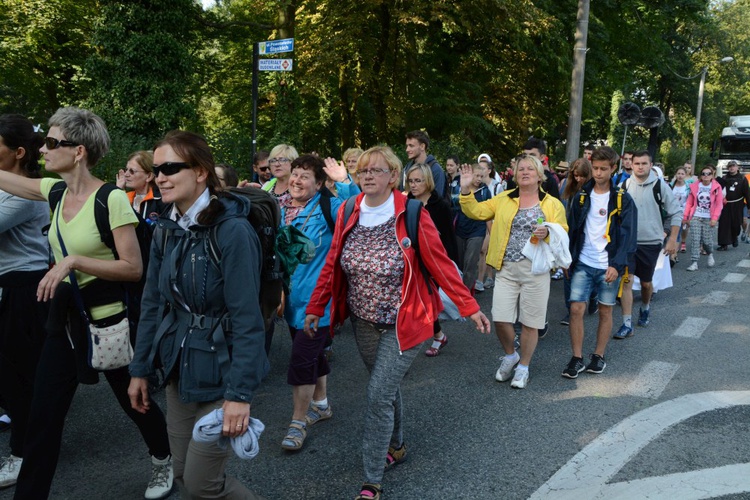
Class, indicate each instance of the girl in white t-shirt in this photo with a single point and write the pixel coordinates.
(681, 190)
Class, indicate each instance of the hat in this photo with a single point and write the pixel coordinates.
(484, 157)
(732, 162)
(563, 165)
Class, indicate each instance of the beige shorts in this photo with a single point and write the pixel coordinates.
(520, 295)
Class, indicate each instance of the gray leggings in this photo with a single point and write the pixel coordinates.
(383, 418)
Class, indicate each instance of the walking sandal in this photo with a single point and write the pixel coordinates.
(395, 456)
(295, 436)
(369, 492)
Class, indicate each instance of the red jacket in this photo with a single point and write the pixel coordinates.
(419, 309)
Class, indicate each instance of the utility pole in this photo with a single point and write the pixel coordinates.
(576, 87)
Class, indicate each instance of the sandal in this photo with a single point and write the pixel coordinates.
(395, 456)
(369, 491)
(295, 436)
(683, 249)
(436, 346)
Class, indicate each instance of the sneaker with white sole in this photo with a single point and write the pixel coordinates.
(520, 379)
(692, 267)
(162, 479)
(479, 286)
(488, 283)
(711, 261)
(575, 366)
(9, 471)
(506, 367)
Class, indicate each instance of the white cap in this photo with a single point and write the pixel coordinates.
(484, 157)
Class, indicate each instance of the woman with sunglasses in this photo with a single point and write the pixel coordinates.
(138, 178)
(200, 317)
(518, 294)
(702, 212)
(421, 186)
(280, 161)
(371, 275)
(24, 260)
(76, 140)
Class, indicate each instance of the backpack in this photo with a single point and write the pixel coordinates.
(325, 207)
(413, 214)
(143, 231)
(657, 195)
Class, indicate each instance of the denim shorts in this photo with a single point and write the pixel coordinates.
(585, 279)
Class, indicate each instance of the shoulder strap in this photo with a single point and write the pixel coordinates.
(101, 216)
(657, 192)
(349, 208)
(56, 194)
(413, 214)
(325, 207)
(619, 200)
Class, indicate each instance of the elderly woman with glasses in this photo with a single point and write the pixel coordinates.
(76, 141)
(138, 178)
(518, 294)
(280, 160)
(372, 275)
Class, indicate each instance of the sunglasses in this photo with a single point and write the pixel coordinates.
(706, 173)
(169, 168)
(133, 171)
(52, 143)
(264, 169)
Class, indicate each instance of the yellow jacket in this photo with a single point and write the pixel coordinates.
(503, 208)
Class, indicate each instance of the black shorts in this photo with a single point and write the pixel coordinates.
(645, 261)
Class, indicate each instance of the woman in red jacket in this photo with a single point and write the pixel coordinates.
(372, 276)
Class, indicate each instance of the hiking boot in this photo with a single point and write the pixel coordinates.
(9, 471)
(692, 267)
(162, 478)
(711, 261)
(520, 379)
(643, 317)
(623, 333)
(596, 365)
(315, 414)
(506, 367)
(575, 366)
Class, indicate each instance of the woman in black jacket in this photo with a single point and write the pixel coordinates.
(422, 187)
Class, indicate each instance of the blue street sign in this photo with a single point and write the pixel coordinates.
(276, 46)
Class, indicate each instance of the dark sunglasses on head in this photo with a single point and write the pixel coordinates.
(52, 143)
(169, 168)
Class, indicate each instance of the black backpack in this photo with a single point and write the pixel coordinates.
(143, 231)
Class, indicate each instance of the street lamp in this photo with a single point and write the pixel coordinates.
(701, 87)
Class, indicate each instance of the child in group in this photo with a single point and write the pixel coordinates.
(702, 212)
(681, 189)
(470, 233)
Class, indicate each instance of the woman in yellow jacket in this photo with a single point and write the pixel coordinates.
(518, 294)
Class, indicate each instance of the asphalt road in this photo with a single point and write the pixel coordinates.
(669, 417)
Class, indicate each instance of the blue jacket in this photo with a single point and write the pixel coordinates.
(623, 227)
(217, 355)
(311, 222)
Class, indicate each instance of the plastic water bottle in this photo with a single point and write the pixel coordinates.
(539, 222)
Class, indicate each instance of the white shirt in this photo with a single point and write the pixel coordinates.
(594, 242)
(374, 216)
(190, 218)
(703, 205)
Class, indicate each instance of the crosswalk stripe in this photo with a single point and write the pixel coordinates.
(744, 263)
(652, 379)
(717, 298)
(692, 328)
(734, 278)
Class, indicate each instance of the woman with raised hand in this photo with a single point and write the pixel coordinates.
(24, 260)
(76, 141)
(371, 275)
(519, 294)
(200, 319)
(421, 186)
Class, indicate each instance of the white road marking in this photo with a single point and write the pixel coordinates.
(734, 278)
(744, 263)
(652, 379)
(692, 327)
(587, 473)
(717, 298)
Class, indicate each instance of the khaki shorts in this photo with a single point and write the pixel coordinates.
(520, 295)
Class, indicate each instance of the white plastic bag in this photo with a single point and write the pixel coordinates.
(540, 256)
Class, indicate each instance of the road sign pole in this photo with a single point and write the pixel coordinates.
(255, 100)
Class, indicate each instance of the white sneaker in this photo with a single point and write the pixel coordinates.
(162, 478)
(506, 367)
(479, 286)
(692, 267)
(9, 471)
(711, 260)
(520, 379)
(488, 282)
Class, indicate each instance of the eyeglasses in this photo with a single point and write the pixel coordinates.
(169, 168)
(704, 174)
(415, 181)
(373, 171)
(52, 143)
(133, 171)
(275, 161)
